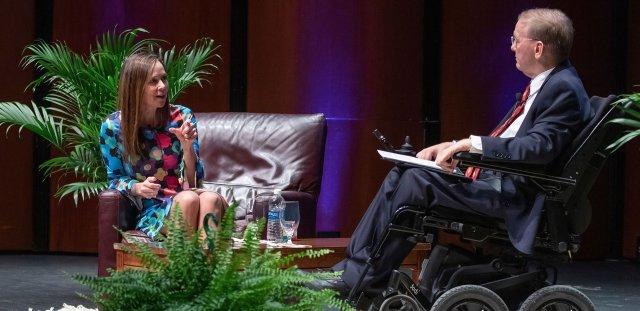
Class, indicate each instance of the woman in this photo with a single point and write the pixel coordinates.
(151, 149)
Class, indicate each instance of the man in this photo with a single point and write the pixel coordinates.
(552, 111)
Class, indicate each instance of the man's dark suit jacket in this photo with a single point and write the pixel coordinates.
(556, 116)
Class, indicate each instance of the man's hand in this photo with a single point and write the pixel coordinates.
(444, 157)
(430, 153)
(147, 189)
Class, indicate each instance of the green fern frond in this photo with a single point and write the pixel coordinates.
(146, 255)
(251, 247)
(309, 253)
(188, 278)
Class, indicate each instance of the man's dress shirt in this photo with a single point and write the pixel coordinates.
(535, 85)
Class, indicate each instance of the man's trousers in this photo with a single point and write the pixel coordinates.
(410, 187)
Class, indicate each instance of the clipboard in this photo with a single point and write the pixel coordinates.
(420, 163)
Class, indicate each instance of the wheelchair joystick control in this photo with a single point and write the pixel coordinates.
(406, 148)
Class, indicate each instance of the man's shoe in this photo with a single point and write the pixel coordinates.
(336, 284)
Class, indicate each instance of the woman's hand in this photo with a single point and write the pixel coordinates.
(186, 133)
(147, 189)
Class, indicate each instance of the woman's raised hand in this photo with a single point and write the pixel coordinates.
(147, 189)
(186, 133)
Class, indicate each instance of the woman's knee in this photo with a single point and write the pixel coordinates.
(187, 200)
(213, 199)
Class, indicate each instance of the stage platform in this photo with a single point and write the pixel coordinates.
(42, 282)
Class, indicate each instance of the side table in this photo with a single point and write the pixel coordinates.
(413, 261)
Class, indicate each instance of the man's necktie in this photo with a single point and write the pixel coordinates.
(473, 172)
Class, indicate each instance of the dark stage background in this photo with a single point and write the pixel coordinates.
(364, 64)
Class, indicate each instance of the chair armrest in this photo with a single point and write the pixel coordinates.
(535, 172)
(114, 210)
(117, 210)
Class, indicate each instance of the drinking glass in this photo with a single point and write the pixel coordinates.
(290, 220)
(260, 208)
(244, 210)
(260, 205)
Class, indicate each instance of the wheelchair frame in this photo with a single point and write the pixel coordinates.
(438, 275)
(514, 275)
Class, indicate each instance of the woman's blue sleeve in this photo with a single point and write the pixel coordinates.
(112, 157)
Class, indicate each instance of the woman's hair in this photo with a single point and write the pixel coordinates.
(136, 72)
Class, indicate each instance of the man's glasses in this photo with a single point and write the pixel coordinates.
(514, 40)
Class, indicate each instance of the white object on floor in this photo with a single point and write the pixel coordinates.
(66, 307)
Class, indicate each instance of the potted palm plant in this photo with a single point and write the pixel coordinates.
(630, 105)
(82, 91)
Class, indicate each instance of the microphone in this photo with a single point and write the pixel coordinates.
(518, 97)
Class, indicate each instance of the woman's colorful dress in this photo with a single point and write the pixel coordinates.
(161, 157)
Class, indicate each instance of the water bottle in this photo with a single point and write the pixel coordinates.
(274, 217)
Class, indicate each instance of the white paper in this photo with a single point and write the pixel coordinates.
(413, 160)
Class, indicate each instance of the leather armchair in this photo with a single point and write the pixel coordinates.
(244, 154)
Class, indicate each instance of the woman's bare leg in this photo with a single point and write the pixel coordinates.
(210, 202)
(189, 206)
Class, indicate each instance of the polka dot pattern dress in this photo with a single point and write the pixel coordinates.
(161, 158)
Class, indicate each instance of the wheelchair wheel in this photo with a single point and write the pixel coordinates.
(400, 302)
(469, 297)
(558, 297)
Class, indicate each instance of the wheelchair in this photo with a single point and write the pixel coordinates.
(496, 276)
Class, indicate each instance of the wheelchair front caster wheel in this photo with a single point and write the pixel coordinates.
(400, 302)
(469, 297)
(557, 297)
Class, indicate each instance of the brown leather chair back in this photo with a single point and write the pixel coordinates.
(246, 154)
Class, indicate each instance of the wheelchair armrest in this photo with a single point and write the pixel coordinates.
(509, 167)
